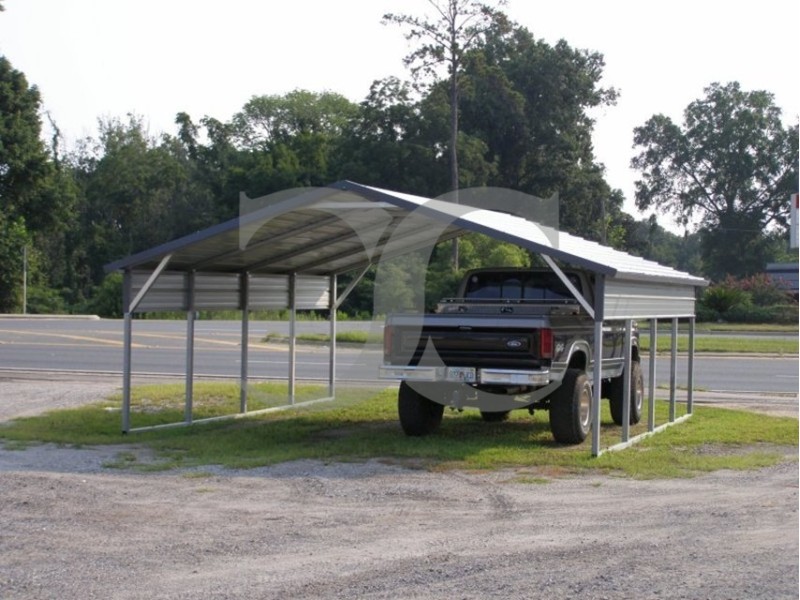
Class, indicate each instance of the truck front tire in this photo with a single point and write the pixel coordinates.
(571, 408)
(617, 390)
(418, 415)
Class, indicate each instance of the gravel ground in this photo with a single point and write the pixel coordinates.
(71, 528)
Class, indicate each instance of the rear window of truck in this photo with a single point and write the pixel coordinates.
(519, 286)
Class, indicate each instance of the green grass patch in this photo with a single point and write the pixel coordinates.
(745, 327)
(724, 344)
(665, 325)
(363, 425)
(342, 337)
(703, 343)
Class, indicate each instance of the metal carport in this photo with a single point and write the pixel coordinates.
(289, 252)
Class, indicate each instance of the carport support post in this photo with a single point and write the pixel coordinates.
(187, 410)
(126, 371)
(333, 301)
(244, 291)
(597, 361)
(673, 367)
(651, 387)
(690, 367)
(292, 333)
(129, 306)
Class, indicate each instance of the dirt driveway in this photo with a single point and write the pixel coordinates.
(70, 528)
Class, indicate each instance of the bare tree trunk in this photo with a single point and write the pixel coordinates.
(454, 142)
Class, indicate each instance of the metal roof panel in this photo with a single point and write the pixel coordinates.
(348, 225)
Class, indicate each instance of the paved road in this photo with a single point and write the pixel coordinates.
(159, 348)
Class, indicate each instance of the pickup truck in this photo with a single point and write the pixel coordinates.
(513, 338)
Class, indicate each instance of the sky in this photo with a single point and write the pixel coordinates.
(95, 59)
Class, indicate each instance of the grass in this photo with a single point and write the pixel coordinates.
(721, 344)
(362, 425)
(724, 344)
(342, 337)
(665, 325)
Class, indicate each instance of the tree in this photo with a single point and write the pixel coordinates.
(732, 165)
(271, 118)
(26, 192)
(457, 27)
(139, 192)
(389, 143)
(530, 102)
(24, 164)
(297, 134)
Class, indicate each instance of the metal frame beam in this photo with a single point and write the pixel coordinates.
(597, 361)
(190, 318)
(573, 290)
(127, 332)
(244, 291)
(651, 383)
(292, 335)
(334, 306)
(673, 418)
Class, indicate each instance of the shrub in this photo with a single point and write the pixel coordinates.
(106, 300)
(45, 301)
(721, 298)
(748, 313)
(786, 314)
(763, 290)
(705, 314)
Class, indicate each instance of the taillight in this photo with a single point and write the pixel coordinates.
(545, 343)
(388, 334)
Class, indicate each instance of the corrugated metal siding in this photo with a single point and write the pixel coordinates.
(168, 292)
(221, 291)
(269, 291)
(312, 292)
(626, 299)
(216, 291)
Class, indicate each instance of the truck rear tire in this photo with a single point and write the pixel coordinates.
(617, 389)
(571, 408)
(418, 415)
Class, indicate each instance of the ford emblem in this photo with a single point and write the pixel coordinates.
(514, 344)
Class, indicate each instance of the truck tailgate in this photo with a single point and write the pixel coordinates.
(465, 340)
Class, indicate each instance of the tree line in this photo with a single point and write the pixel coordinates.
(524, 123)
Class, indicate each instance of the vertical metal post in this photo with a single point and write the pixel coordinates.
(25, 279)
(128, 307)
(244, 292)
(333, 302)
(127, 342)
(126, 371)
(673, 367)
(597, 383)
(597, 379)
(690, 366)
(292, 334)
(190, 316)
(626, 381)
(651, 384)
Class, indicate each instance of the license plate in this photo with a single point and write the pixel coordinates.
(466, 374)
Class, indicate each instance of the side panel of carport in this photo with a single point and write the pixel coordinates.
(188, 292)
(629, 299)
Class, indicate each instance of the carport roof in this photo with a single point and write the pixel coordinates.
(346, 226)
